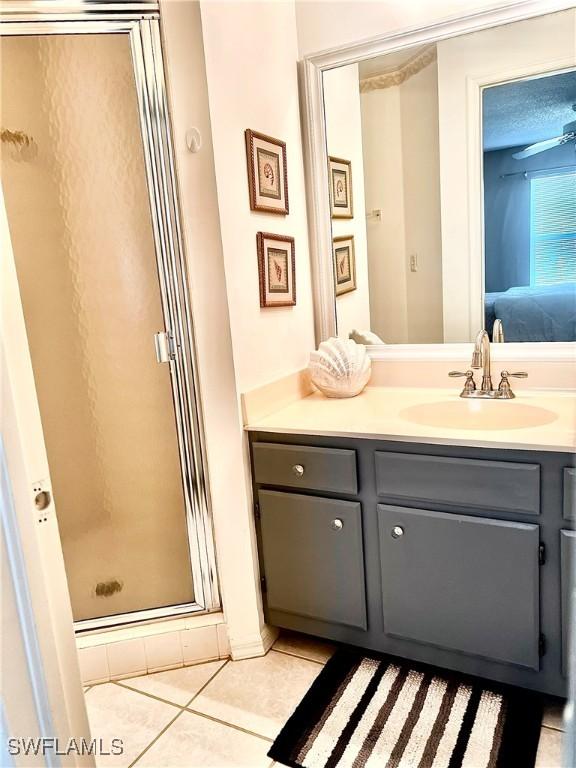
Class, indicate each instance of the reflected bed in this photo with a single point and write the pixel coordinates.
(542, 313)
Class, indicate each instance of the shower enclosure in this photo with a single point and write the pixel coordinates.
(92, 205)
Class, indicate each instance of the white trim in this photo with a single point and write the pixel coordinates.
(450, 27)
(116, 620)
(475, 175)
(72, 10)
(318, 200)
(24, 604)
(255, 645)
(549, 352)
(39, 541)
(315, 154)
(91, 638)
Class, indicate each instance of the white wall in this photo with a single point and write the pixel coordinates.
(401, 168)
(344, 140)
(421, 160)
(251, 53)
(384, 187)
(227, 460)
(465, 65)
(324, 24)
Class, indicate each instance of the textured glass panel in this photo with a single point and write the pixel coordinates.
(79, 216)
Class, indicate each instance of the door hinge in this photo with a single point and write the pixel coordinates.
(165, 346)
(541, 554)
(541, 645)
(263, 586)
(257, 511)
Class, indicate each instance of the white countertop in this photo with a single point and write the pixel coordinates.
(385, 413)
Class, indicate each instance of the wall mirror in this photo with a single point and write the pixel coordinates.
(450, 167)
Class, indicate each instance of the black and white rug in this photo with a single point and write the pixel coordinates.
(372, 711)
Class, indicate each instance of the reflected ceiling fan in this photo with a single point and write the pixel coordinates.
(569, 134)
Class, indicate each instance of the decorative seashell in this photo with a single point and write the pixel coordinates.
(340, 368)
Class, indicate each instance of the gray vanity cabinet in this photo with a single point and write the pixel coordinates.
(569, 505)
(313, 557)
(496, 486)
(453, 556)
(568, 565)
(460, 582)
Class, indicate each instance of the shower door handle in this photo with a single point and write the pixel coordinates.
(165, 347)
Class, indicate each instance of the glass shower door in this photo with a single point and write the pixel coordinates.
(75, 183)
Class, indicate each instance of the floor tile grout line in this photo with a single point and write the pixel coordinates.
(297, 656)
(121, 684)
(124, 684)
(155, 739)
(230, 725)
(199, 691)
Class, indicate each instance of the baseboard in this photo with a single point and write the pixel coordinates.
(254, 645)
(269, 636)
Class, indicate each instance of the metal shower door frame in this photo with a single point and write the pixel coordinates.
(143, 29)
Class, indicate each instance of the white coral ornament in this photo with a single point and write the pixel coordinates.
(340, 368)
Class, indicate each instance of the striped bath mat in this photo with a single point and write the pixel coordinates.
(372, 711)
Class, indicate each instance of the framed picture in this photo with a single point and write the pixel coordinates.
(276, 270)
(340, 174)
(344, 264)
(267, 173)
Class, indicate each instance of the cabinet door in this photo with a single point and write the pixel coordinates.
(313, 557)
(463, 583)
(568, 562)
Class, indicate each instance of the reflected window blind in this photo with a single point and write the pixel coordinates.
(553, 228)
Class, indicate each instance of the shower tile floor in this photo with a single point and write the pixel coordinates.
(226, 714)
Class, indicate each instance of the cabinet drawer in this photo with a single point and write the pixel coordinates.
(569, 507)
(463, 583)
(313, 557)
(298, 466)
(492, 485)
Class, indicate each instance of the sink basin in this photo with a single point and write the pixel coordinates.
(478, 414)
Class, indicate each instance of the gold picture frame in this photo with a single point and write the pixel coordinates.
(344, 264)
(276, 270)
(341, 197)
(267, 173)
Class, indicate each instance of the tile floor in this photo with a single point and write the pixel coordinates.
(226, 714)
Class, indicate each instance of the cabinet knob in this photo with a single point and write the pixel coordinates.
(298, 470)
(397, 531)
(337, 524)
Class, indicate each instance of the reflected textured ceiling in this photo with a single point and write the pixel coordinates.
(527, 111)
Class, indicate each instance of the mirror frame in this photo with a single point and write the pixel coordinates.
(311, 70)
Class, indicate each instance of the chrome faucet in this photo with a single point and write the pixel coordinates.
(481, 359)
(498, 332)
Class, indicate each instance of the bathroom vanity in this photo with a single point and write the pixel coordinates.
(429, 545)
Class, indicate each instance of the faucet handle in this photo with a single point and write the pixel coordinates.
(504, 387)
(470, 384)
